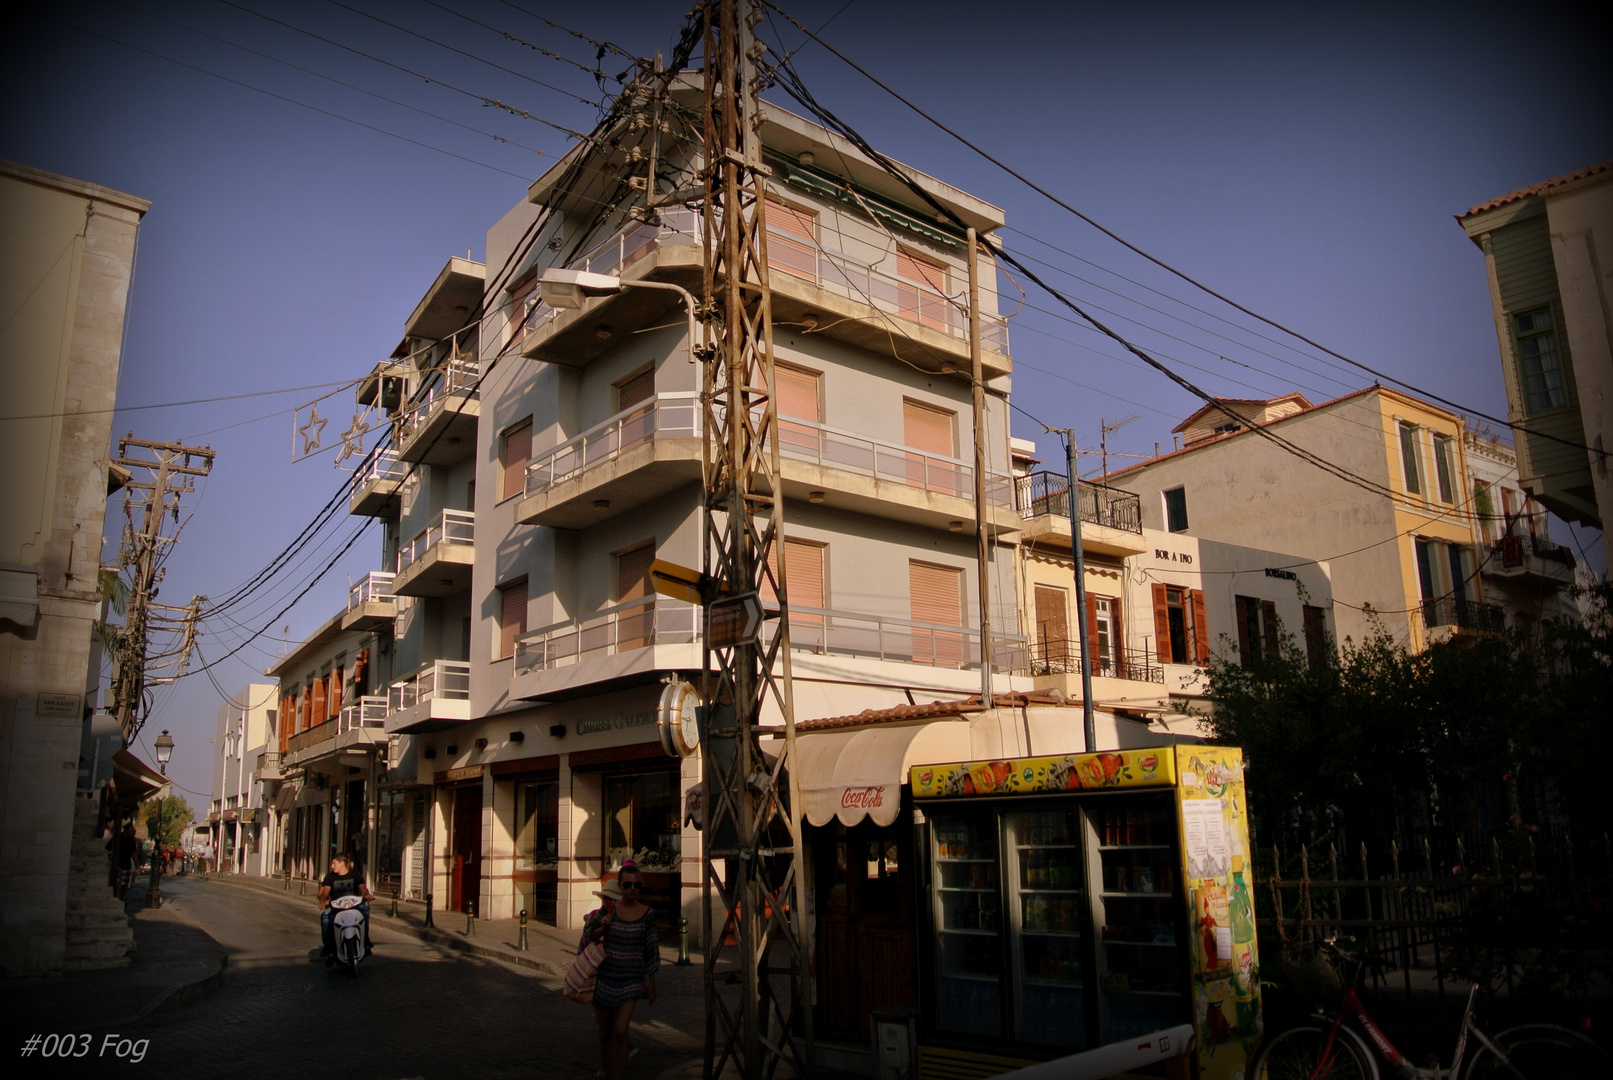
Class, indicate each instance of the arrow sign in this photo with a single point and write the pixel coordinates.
(678, 582)
(733, 621)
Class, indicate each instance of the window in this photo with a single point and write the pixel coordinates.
(1410, 459)
(511, 616)
(1316, 643)
(1257, 629)
(1539, 368)
(515, 450)
(1181, 634)
(635, 627)
(792, 239)
(806, 580)
(1054, 653)
(799, 399)
(933, 431)
(635, 389)
(1103, 629)
(921, 290)
(636, 393)
(936, 597)
(1176, 509)
(641, 821)
(1443, 467)
(1445, 573)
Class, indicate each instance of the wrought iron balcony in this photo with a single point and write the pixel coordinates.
(1049, 493)
(1460, 613)
(1062, 656)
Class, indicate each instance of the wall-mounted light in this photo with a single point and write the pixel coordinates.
(814, 497)
(955, 526)
(431, 751)
(481, 744)
(518, 736)
(601, 504)
(452, 749)
(557, 731)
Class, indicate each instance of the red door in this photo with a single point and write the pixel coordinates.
(465, 853)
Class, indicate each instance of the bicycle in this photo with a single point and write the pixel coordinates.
(1334, 1050)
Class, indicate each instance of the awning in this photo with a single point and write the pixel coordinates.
(858, 773)
(286, 797)
(134, 779)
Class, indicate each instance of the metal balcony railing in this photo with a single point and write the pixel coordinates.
(442, 680)
(1463, 614)
(384, 465)
(1062, 656)
(678, 228)
(370, 712)
(454, 526)
(457, 376)
(1049, 493)
(837, 449)
(325, 729)
(374, 586)
(1511, 551)
(876, 637)
(674, 415)
(637, 624)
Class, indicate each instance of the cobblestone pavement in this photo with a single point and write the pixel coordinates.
(416, 1009)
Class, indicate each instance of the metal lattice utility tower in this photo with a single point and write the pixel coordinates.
(753, 861)
(172, 468)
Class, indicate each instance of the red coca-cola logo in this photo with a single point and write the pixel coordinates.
(862, 798)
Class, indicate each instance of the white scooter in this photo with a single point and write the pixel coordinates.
(349, 931)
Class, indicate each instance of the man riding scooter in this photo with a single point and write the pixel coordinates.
(344, 879)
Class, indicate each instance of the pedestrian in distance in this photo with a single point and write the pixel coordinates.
(345, 879)
(127, 852)
(627, 974)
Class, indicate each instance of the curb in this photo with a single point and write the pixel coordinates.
(432, 936)
(183, 993)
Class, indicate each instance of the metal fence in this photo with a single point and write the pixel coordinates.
(1049, 493)
(1062, 656)
(1532, 921)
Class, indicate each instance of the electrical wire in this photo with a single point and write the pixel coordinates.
(506, 35)
(180, 404)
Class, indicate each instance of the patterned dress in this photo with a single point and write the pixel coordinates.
(632, 954)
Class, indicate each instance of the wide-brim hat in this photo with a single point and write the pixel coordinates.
(611, 891)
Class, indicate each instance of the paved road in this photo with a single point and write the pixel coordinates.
(415, 1010)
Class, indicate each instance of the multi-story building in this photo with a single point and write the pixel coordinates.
(1544, 249)
(64, 282)
(240, 832)
(1394, 522)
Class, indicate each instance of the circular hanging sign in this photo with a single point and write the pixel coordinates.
(678, 720)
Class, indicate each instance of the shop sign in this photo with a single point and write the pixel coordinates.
(467, 772)
(623, 720)
(1286, 575)
(863, 798)
(1152, 767)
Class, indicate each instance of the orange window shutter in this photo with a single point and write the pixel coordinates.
(788, 219)
(798, 394)
(1201, 628)
(1117, 633)
(1162, 626)
(517, 452)
(1092, 632)
(804, 561)
(1246, 645)
(913, 268)
(633, 573)
(640, 388)
(317, 713)
(937, 593)
(1052, 616)
(512, 617)
(929, 430)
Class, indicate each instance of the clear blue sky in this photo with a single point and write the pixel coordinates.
(1305, 162)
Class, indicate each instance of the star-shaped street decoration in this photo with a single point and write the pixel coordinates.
(313, 431)
(352, 440)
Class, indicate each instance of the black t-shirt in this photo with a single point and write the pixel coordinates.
(340, 885)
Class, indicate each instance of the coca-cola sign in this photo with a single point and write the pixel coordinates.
(862, 798)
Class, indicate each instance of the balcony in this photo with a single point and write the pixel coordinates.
(874, 637)
(1060, 656)
(668, 251)
(437, 561)
(268, 768)
(439, 428)
(1451, 615)
(435, 697)
(1529, 557)
(624, 643)
(850, 299)
(1111, 519)
(370, 712)
(371, 603)
(629, 459)
(345, 739)
(375, 492)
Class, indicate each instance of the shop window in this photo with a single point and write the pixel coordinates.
(1176, 510)
(1181, 633)
(515, 451)
(537, 847)
(1258, 636)
(641, 821)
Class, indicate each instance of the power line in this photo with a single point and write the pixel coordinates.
(1166, 266)
(506, 35)
(179, 404)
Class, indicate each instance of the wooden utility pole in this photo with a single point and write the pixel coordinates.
(982, 523)
(172, 468)
(753, 860)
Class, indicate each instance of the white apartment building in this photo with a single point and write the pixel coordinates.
(240, 833)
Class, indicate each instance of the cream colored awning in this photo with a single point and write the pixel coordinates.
(857, 773)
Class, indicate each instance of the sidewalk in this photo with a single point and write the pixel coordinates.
(174, 962)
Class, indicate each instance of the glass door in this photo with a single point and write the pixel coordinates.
(968, 920)
(1048, 914)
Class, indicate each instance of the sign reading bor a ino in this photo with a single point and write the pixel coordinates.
(621, 721)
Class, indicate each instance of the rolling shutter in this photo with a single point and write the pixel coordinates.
(927, 429)
(792, 240)
(517, 452)
(1162, 627)
(633, 573)
(803, 562)
(512, 617)
(639, 388)
(936, 597)
(798, 393)
(921, 304)
(1201, 627)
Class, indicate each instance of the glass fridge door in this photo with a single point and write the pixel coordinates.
(968, 919)
(1048, 917)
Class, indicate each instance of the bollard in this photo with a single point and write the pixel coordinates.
(470, 918)
(288, 881)
(683, 943)
(520, 941)
(428, 911)
(302, 887)
(393, 914)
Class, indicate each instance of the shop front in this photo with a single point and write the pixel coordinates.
(640, 792)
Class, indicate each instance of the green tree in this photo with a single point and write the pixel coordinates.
(167, 819)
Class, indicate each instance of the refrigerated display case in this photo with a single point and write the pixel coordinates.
(1085, 900)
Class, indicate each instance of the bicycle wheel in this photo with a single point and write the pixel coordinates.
(1539, 1052)
(1296, 1054)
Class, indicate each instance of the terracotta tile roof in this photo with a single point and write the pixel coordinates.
(1542, 188)
(935, 710)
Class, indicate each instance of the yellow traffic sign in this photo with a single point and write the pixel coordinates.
(678, 582)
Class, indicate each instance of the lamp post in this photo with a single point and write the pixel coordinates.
(572, 288)
(157, 826)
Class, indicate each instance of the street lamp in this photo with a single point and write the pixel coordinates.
(573, 288)
(164, 745)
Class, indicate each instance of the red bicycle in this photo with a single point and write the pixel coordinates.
(1332, 1048)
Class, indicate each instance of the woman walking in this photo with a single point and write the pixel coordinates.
(627, 927)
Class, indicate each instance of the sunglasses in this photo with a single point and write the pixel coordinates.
(627, 884)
